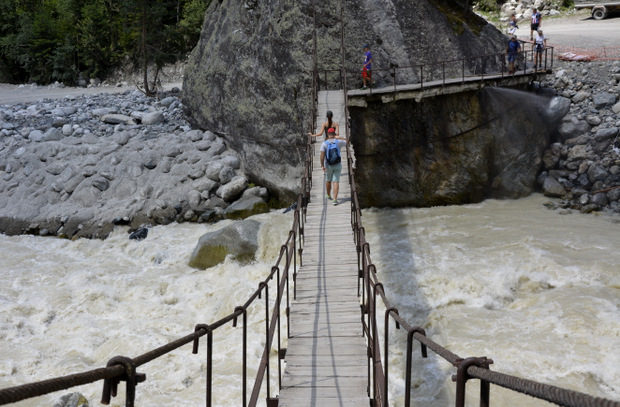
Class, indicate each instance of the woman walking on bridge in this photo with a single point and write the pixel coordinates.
(329, 124)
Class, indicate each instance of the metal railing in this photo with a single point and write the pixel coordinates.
(455, 71)
(121, 368)
(372, 291)
(124, 369)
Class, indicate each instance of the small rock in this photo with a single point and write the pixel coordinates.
(603, 100)
(140, 234)
(552, 188)
(153, 118)
(117, 119)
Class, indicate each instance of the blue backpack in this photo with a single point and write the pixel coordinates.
(332, 155)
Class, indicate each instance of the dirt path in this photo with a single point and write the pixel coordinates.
(579, 30)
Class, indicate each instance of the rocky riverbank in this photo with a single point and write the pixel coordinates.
(583, 166)
(75, 167)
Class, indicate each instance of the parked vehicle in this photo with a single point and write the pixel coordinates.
(600, 8)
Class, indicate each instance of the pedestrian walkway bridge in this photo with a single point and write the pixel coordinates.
(336, 319)
(328, 323)
(326, 357)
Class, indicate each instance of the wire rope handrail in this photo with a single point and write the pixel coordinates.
(467, 368)
(122, 368)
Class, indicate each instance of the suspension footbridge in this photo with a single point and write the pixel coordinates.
(323, 302)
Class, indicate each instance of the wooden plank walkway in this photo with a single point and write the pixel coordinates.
(326, 363)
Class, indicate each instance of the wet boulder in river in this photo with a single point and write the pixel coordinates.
(239, 239)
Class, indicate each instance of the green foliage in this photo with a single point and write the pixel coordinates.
(459, 15)
(49, 40)
(489, 6)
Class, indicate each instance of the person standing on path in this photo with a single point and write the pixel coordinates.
(512, 25)
(331, 163)
(367, 68)
(512, 51)
(536, 23)
(539, 44)
(329, 124)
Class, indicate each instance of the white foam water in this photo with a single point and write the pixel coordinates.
(536, 291)
(69, 306)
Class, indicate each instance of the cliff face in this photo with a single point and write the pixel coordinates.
(249, 77)
(451, 149)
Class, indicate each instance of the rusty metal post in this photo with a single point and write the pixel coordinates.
(209, 332)
(288, 297)
(485, 391)
(277, 305)
(244, 355)
(131, 378)
(462, 376)
(552, 57)
(365, 303)
(267, 340)
(209, 367)
(386, 350)
(375, 344)
(408, 371)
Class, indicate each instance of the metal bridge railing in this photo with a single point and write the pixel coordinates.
(124, 369)
(373, 291)
(446, 72)
(121, 368)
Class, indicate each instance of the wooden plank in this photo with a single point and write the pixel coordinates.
(304, 346)
(311, 381)
(320, 360)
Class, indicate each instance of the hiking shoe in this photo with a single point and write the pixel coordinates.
(335, 202)
(329, 197)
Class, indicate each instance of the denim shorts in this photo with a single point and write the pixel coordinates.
(333, 172)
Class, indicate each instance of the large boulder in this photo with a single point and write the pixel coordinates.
(246, 207)
(249, 76)
(239, 239)
(436, 152)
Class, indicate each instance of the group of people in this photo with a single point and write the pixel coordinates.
(331, 129)
(539, 41)
(330, 148)
(330, 156)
